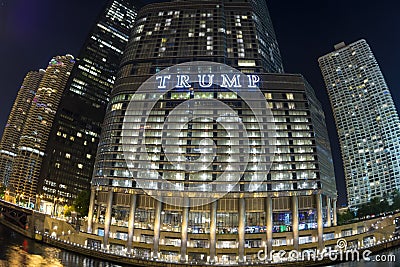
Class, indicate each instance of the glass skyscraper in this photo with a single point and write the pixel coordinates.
(71, 149)
(294, 200)
(366, 119)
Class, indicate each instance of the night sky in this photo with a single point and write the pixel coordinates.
(32, 31)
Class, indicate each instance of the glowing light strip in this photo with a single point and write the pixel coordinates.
(36, 151)
(115, 33)
(8, 153)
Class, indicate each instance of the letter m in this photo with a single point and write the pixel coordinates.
(227, 82)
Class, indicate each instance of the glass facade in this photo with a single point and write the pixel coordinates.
(71, 149)
(367, 122)
(301, 176)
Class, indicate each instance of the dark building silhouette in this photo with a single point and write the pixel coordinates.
(70, 152)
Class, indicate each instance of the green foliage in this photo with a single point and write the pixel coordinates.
(81, 203)
(396, 200)
(68, 210)
(374, 207)
(2, 190)
(345, 217)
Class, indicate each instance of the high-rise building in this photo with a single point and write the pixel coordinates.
(15, 123)
(70, 152)
(35, 132)
(367, 123)
(298, 193)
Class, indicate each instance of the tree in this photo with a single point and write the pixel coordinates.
(345, 217)
(396, 200)
(374, 207)
(68, 210)
(81, 203)
(2, 191)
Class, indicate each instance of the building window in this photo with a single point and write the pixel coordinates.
(282, 222)
(199, 222)
(227, 223)
(171, 221)
(144, 219)
(255, 222)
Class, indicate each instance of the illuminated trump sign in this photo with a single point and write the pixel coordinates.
(207, 80)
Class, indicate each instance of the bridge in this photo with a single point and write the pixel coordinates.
(23, 220)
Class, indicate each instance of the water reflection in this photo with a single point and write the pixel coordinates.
(15, 250)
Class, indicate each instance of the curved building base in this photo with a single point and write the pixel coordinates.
(231, 230)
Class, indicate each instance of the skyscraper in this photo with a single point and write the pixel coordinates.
(298, 192)
(70, 152)
(367, 123)
(35, 132)
(15, 123)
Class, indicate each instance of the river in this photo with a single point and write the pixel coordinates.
(18, 251)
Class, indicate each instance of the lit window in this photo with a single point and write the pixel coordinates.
(67, 155)
(204, 95)
(246, 63)
(80, 166)
(58, 133)
(268, 96)
(88, 156)
(79, 134)
(117, 106)
(227, 95)
(289, 96)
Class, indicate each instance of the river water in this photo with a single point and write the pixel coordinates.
(18, 251)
